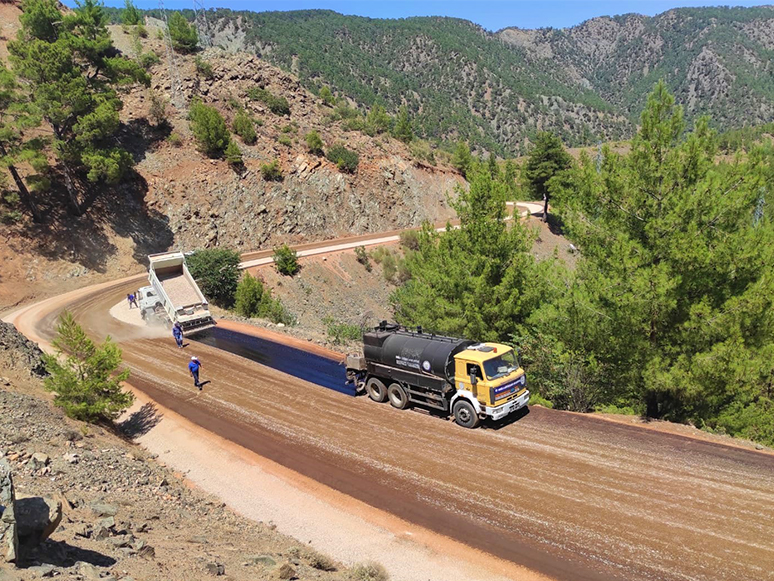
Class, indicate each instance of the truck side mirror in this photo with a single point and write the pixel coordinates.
(473, 379)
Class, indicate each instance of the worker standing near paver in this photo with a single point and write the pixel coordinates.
(177, 333)
(194, 367)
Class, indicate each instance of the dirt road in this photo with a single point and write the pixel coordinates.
(573, 497)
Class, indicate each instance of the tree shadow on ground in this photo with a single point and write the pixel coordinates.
(555, 224)
(123, 208)
(140, 422)
(62, 554)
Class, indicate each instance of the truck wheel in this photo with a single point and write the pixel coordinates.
(464, 414)
(376, 390)
(397, 396)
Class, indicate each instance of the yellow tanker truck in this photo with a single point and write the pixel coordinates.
(470, 380)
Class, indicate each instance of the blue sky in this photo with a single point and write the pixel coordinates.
(491, 14)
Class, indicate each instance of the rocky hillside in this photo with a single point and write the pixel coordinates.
(82, 502)
(176, 197)
(497, 89)
(717, 61)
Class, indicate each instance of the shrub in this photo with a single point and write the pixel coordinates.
(378, 254)
(271, 171)
(370, 571)
(354, 124)
(345, 159)
(378, 121)
(83, 374)
(389, 267)
(142, 31)
(422, 151)
(216, 270)
(327, 96)
(285, 140)
(243, 126)
(184, 36)
(209, 128)
(290, 128)
(286, 260)
(158, 110)
(255, 300)
(277, 105)
(319, 561)
(233, 154)
(402, 128)
(314, 142)
(175, 140)
(203, 68)
(403, 273)
(362, 257)
(148, 59)
(342, 332)
(409, 239)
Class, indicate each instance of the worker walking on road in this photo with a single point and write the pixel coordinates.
(193, 367)
(177, 333)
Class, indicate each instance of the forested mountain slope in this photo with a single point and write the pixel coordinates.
(498, 89)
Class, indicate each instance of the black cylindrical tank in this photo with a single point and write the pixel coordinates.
(418, 352)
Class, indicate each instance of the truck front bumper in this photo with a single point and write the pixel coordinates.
(499, 412)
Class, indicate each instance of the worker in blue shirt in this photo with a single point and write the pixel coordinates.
(177, 333)
(193, 367)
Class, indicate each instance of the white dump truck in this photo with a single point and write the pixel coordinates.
(173, 295)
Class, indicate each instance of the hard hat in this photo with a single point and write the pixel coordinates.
(194, 358)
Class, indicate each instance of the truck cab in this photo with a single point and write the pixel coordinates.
(490, 375)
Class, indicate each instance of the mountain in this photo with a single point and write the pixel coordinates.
(498, 89)
(176, 197)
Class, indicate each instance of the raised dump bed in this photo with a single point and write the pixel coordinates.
(178, 292)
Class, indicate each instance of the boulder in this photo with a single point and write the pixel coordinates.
(38, 460)
(264, 560)
(36, 519)
(215, 569)
(286, 571)
(102, 509)
(9, 540)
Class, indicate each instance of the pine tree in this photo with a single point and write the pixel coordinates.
(494, 169)
(462, 158)
(475, 281)
(249, 296)
(676, 281)
(233, 154)
(545, 161)
(85, 376)
(377, 120)
(184, 36)
(71, 68)
(314, 142)
(403, 129)
(209, 129)
(130, 15)
(244, 127)
(17, 115)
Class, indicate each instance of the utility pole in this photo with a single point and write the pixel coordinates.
(174, 84)
(202, 27)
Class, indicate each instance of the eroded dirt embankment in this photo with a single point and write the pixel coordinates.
(571, 496)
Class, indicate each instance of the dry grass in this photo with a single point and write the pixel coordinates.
(369, 571)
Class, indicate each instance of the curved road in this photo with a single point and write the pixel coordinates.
(574, 497)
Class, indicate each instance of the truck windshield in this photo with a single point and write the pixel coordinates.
(501, 366)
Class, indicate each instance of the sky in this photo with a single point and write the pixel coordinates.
(491, 14)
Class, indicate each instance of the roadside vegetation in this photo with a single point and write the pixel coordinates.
(85, 376)
(668, 311)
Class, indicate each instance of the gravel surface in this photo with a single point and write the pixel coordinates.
(126, 515)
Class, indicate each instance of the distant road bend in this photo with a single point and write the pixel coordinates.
(574, 497)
